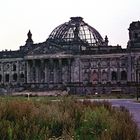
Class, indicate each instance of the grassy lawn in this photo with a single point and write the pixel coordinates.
(49, 98)
(111, 96)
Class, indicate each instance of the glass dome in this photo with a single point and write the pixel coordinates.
(76, 31)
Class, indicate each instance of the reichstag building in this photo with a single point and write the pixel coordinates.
(75, 58)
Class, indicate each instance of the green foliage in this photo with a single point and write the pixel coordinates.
(67, 119)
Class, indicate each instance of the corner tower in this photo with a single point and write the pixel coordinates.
(134, 35)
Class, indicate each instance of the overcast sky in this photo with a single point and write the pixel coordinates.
(109, 17)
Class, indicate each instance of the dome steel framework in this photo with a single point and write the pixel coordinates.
(76, 31)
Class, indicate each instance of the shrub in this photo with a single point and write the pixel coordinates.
(66, 119)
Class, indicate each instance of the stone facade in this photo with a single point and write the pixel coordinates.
(73, 58)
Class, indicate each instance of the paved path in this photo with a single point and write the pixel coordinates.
(131, 105)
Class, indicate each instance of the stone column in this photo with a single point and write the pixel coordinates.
(118, 71)
(10, 73)
(33, 72)
(28, 72)
(69, 70)
(56, 72)
(99, 70)
(18, 73)
(37, 71)
(76, 70)
(119, 74)
(51, 72)
(45, 71)
(109, 71)
(42, 71)
(60, 70)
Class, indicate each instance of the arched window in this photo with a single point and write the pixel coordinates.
(114, 75)
(104, 76)
(7, 78)
(14, 67)
(94, 76)
(0, 78)
(123, 75)
(136, 35)
(21, 75)
(14, 77)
